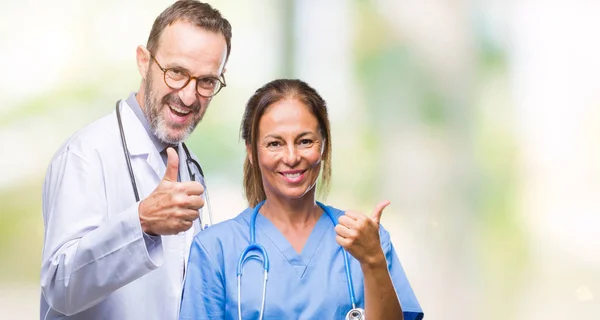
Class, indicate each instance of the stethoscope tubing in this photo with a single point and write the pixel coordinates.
(254, 246)
(126, 153)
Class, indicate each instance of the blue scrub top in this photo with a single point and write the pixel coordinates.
(310, 285)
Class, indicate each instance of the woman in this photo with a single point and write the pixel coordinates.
(288, 144)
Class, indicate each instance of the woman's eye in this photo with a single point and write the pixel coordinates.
(306, 142)
(273, 144)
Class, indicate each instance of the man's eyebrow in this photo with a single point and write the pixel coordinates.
(177, 66)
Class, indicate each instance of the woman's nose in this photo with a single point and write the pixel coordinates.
(292, 157)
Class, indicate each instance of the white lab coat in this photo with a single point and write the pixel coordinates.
(96, 262)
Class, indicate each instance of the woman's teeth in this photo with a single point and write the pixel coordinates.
(292, 175)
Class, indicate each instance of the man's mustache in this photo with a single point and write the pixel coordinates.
(173, 99)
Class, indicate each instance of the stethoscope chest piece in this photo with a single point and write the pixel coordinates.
(356, 314)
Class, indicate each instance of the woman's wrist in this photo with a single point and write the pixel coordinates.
(374, 262)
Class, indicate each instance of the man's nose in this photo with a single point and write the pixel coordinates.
(188, 94)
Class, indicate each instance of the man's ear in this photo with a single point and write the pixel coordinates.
(249, 152)
(142, 56)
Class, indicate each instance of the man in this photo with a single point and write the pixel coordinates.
(108, 255)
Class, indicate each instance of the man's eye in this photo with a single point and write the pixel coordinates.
(207, 82)
(176, 74)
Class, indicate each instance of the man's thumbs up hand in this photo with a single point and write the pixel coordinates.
(173, 206)
(172, 165)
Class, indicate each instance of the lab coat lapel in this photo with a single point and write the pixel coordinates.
(139, 143)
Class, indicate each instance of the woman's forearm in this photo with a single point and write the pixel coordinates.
(381, 300)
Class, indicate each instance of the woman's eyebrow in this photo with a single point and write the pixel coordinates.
(276, 136)
(272, 135)
(305, 133)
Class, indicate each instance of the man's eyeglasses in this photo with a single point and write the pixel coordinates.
(177, 78)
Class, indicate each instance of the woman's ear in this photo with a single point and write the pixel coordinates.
(249, 152)
(142, 56)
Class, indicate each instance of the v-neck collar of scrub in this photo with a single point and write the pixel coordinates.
(298, 261)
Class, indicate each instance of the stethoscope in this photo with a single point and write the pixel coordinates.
(189, 161)
(354, 313)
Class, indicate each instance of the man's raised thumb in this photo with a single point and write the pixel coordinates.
(172, 165)
(379, 211)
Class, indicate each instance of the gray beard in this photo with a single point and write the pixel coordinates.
(158, 125)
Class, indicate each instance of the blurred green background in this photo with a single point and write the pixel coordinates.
(478, 120)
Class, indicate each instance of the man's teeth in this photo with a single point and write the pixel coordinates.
(292, 175)
(179, 110)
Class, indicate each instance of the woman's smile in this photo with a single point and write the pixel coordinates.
(293, 176)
